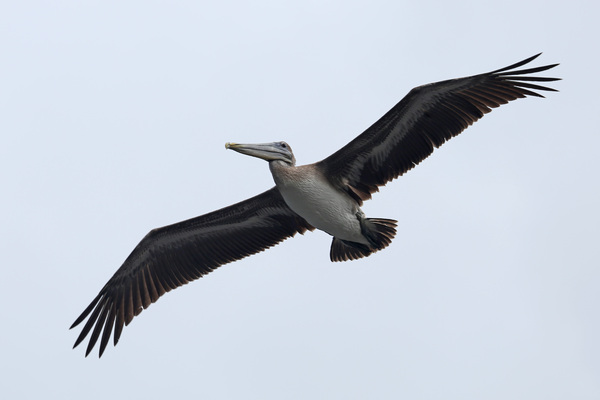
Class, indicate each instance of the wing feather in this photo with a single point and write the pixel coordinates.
(424, 119)
(177, 254)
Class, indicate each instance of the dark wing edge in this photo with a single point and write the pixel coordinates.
(177, 254)
(423, 120)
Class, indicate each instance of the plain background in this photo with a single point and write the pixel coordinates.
(113, 119)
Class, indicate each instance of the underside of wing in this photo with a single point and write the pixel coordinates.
(174, 255)
(423, 120)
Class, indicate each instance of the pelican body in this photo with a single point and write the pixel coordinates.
(309, 193)
(326, 195)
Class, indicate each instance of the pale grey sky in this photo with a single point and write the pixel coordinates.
(114, 116)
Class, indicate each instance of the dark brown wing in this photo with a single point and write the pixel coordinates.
(423, 120)
(174, 255)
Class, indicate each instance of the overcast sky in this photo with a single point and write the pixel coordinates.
(113, 120)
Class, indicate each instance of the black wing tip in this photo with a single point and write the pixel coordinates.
(518, 64)
(523, 62)
(522, 78)
(89, 349)
(82, 317)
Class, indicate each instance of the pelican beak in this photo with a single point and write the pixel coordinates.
(266, 151)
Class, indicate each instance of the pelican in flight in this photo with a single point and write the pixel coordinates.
(326, 195)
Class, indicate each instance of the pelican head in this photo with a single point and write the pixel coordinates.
(276, 151)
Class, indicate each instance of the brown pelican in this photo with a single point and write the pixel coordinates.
(326, 195)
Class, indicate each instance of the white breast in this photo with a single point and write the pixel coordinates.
(312, 197)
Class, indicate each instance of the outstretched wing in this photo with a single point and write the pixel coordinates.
(174, 255)
(423, 120)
